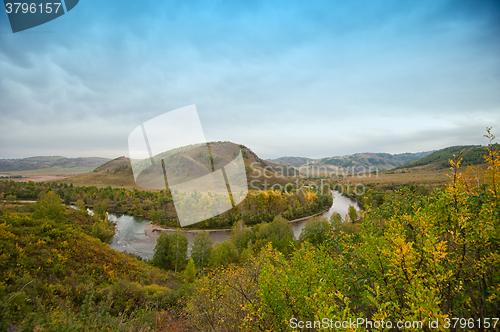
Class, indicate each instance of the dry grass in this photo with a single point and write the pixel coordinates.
(431, 176)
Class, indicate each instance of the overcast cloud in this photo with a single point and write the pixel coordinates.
(314, 79)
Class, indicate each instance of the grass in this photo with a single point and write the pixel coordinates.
(55, 171)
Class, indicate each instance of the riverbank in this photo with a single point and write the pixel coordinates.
(150, 228)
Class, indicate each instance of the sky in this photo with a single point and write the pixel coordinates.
(285, 78)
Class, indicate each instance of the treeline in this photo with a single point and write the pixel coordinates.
(374, 195)
(171, 251)
(259, 206)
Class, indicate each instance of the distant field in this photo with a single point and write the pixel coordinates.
(122, 179)
(55, 170)
(431, 176)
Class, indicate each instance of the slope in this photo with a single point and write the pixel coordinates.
(118, 172)
(471, 155)
(56, 164)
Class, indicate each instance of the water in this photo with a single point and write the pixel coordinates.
(133, 234)
(340, 205)
(130, 235)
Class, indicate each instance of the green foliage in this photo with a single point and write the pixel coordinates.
(103, 230)
(470, 154)
(259, 206)
(49, 206)
(315, 231)
(335, 218)
(414, 258)
(279, 233)
(171, 251)
(81, 207)
(200, 252)
(100, 210)
(190, 272)
(240, 235)
(223, 254)
(352, 213)
(222, 300)
(55, 277)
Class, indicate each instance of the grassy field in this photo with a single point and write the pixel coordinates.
(53, 171)
(430, 177)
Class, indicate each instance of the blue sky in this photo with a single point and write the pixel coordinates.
(285, 78)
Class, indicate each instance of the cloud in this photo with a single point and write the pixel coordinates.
(315, 79)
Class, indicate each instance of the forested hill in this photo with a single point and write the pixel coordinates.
(384, 161)
(471, 155)
(47, 163)
(292, 161)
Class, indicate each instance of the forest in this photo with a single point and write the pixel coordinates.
(412, 256)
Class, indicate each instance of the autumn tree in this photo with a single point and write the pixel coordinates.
(49, 206)
(190, 271)
(352, 213)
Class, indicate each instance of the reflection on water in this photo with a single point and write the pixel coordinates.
(131, 235)
(340, 205)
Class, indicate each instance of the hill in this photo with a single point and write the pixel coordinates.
(471, 155)
(292, 161)
(383, 161)
(57, 276)
(189, 163)
(54, 164)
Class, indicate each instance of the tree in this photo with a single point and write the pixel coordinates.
(200, 252)
(315, 231)
(223, 254)
(49, 206)
(103, 230)
(279, 232)
(338, 225)
(81, 207)
(190, 272)
(352, 213)
(179, 247)
(100, 210)
(171, 251)
(240, 235)
(335, 218)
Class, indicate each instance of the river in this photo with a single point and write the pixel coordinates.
(132, 235)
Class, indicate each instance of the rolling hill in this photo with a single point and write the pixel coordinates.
(54, 164)
(471, 155)
(118, 172)
(383, 161)
(292, 161)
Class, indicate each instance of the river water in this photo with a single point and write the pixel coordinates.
(132, 236)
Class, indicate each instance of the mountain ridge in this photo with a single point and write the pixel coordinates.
(48, 162)
(384, 161)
